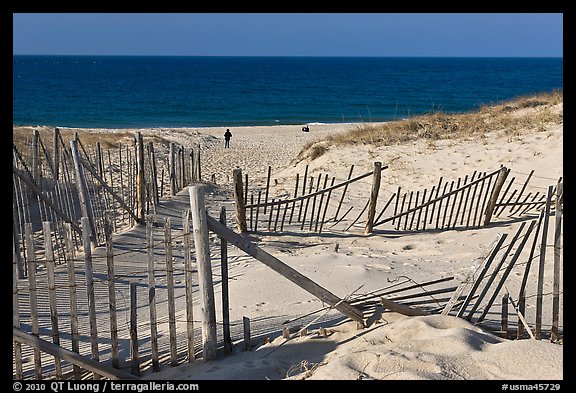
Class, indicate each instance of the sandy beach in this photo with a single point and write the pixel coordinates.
(392, 346)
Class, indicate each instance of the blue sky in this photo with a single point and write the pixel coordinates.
(290, 34)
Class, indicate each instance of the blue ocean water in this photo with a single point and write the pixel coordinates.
(126, 92)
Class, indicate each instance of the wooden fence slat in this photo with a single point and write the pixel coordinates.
(111, 291)
(152, 293)
(540, 283)
(419, 211)
(277, 216)
(447, 204)
(448, 226)
(440, 205)
(401, 212)
(170, 289)
(396, 205)
(50, 262)
(270, 215)
(89, 281)
(239, 201)
(557, 260)
(258, 210)
(293, 202)
(225, 290)
(320, 204)
(74, 336)
(468, 189)
(188, 279)
(134, 358)
(307, 203)
(303, 193)
(267, 188)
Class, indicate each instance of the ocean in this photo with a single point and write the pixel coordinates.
(150, 91)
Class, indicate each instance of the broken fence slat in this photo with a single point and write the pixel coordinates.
(402, 309)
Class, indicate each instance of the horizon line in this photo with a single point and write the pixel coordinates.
(311, 56)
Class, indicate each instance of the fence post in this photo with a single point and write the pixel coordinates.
(373, 197)
(502, 174)
(202, 245)
(239, 201)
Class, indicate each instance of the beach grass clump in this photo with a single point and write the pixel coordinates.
(511, 118)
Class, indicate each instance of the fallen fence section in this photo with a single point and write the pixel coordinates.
(269, 260)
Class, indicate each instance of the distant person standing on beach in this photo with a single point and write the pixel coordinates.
(227, 136)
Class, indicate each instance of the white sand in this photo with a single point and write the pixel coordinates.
(393, 346)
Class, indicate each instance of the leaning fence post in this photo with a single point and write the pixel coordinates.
(373, 197)
(202, 245)
(239, 201)
(502, 174)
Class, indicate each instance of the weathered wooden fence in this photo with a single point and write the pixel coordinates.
(61, 181)
(313, 204)
(101, 315)
(514, 270)
(470, 202)
(463, 203)
(68, 321)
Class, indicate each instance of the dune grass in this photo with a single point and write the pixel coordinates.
(108, 140)
(511, 118)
